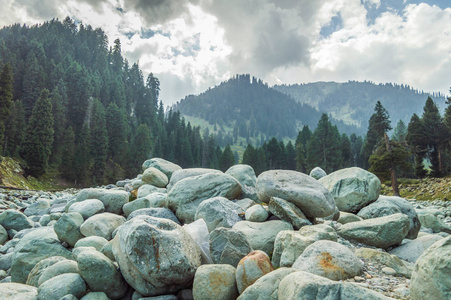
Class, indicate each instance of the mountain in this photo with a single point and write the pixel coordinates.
(250, 108)
(353, 102)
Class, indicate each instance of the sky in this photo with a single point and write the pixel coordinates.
(191, 45)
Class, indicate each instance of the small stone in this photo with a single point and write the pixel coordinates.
(389, 271)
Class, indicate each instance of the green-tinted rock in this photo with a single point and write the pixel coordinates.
(40, 267)
(67, 228)
(92, 241)
(288, 212)
(18, 291)
(228, 246)
(164, 166)
(113, 200)
(215, 282)
(401, 267)
(61, 285)
(13, 219)
(62, 267)
(102, 225)
(155, 177)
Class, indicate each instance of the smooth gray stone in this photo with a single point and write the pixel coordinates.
(113, 200)
(189, 172)
(157, 212)
(218, 212)
(228, 246)
(40, 267)
(18, 291)
(256, 213)
(411, 250)
(13, 219)
(62, 267)
(164, 166)
(155, 177)
(102, 225)
(215, 282)
(92, 241)
(317, 173)
(87, 208)
(67, 228)
(61, 285)
(288, 212)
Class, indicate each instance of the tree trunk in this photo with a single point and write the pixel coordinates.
(394, 174)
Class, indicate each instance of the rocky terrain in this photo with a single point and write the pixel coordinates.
(173, 233)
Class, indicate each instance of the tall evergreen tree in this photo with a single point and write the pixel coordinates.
(15, 129)
(416, 139)
(291, 156)
(433, 130)
(116, 124)
(82, 157)
(68, 154)
(227, 159)
(99, 141)
(142, 146)
(6, 100)
(400, 132)
(37, 145)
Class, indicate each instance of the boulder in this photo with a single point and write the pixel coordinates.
(164, 166)
(317, 173)
(300, 189)
(102, 225)
(159, 212)
(228, 246)
(288, 246)
(401, 267)
(95, 296)
(431, 275)
(18, 291)
(186, 195)
(329, 259)
(246, 177)
(267, 286)
(158, 199)
(385, 206)
(40, 267)
(87, 208)
(100, 274)
(245, 203)
(411, 250)
(288, 212)
(67, 228)
(382, 232)
(218, 212)
(139, 203)
(113, 200)
(155, 177)
(319, 232)
(190, 172)
(32, 248)
(261, 235)
(215, 282)
(38, 208)
(430, 221)
(256, 213)
(304, 285)
(13, 219)
(253, 266)
(61, 267)
(148, 189)
(94, 241)
(346, 217)
(107, 250)
(352, 188)
(61, 285)
(156, 256)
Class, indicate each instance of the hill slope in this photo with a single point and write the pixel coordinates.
(353, 102)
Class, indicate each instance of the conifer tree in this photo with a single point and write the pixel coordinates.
(99, 141)
(227, 159)
(416, 139)
(6, 100)
(141, 146)
(14, 129)
(291, 156)
(400, 132)
(433, 130)
(37, 145)
(82, 157)
(116, 124)
(68, 154)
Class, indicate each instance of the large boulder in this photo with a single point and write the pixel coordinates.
(164, 166)
(148, 189)
(157, 212)
(3, 235)
(385, 206)
(218, 212)
(261, 235)
(411, 250)
(215, 282)
(18, 291)
(392, 261)
(61, 285)
(67, 228)
(288, 246)
(186, 195)
(253, 266)
(288, 212)
(97, 242)
(39, 208)
(32, 248)
(382, 232)
(102, 225)
(190, 172)
(13, 219)
(113, 200)
(430, 221)
(317, 173)
(300, 189)
(100, 274)
(246, 177)
(267, 286)
(61, 267)
(155, 177)
(304, 285)
(88, 207)
(352, 188)
(156, 256)
(228, 246)
(329, 259)
(35, 274)
(431, 275)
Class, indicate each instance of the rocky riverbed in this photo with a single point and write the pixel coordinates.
(173, 233)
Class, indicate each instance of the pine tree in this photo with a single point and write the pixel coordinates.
(15, 129)
(227, 159)
(416, 139)
(400, 132)
(82, 157)
(379, 124)
(6, 100)
(433, 130)
(346, 151)
(59, 124)
(37, 145)
(68, 154)
(99, 141)
(141, 146)
(323, 150)
(291, 156)
(116, 124)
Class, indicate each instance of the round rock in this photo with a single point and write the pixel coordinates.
(218, 212)
(253, 266)
(215, 282)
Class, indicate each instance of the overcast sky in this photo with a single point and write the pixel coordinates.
(193, 44)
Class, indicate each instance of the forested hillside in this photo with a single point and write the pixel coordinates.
(352, 102)
(252, 109)
(73, 105)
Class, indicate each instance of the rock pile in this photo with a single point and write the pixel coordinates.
(205, 234)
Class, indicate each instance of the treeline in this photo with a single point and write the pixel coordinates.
(71, 104)
(325, 147)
